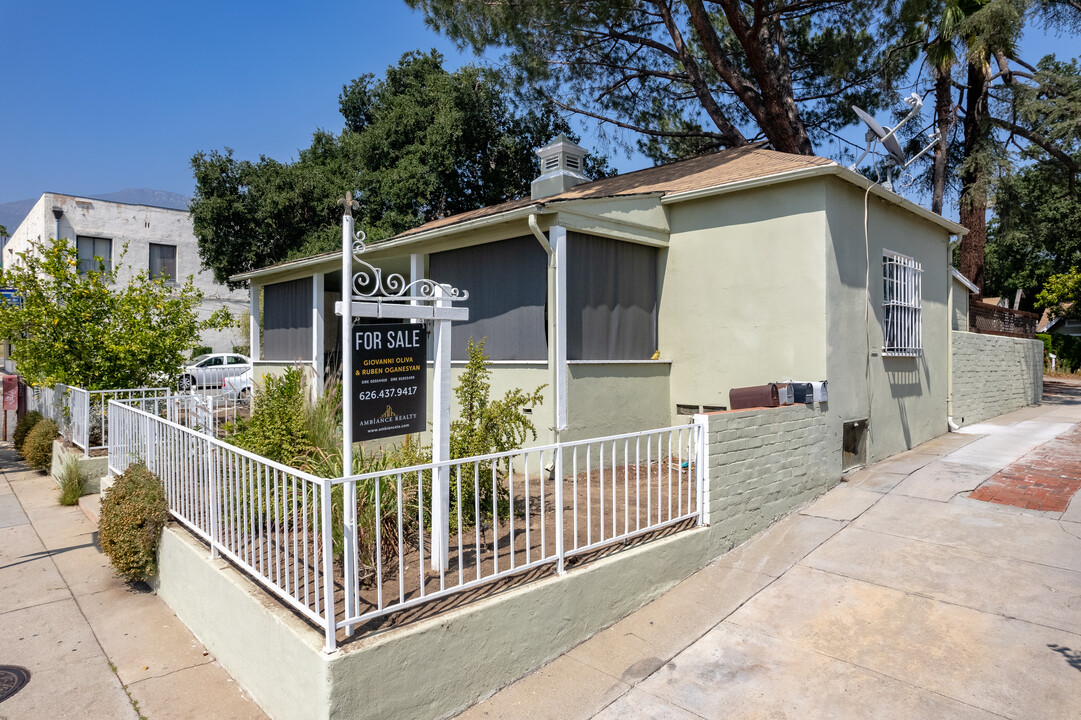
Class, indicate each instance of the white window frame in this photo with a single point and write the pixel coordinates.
(902, 312)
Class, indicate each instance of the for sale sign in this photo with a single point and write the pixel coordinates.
(389, 380)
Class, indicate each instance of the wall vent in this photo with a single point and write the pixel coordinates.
(854, 444)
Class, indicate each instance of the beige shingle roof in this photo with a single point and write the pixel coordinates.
(721, 168)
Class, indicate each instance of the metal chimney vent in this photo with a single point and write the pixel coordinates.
(561, 167)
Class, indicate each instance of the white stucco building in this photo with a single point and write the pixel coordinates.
(131, 238)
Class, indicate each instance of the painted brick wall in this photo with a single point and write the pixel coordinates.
(994, 375)
(765, 462)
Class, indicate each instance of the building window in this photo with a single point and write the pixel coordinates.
(611, 299)
(90, 248)
(287, 320)
(163, 261)
(507, 282)
(901, 314)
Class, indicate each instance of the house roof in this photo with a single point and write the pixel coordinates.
(715, 173)
(704, 171)
(1048, 321)
(964, 280)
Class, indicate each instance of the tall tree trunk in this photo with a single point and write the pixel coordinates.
(943, 105)
(973, 211)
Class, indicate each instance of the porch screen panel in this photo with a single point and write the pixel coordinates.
(287, 320)
(611, 299)
(507, 286)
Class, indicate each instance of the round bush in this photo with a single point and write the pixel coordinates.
(38, 446)
(133, 513)
(23, 427)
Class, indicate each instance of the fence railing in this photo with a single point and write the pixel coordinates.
(53, 403)
(995, 320)
(269, 519)
(504, 514)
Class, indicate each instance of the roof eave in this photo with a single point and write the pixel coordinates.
(286, 266)
(812, 172)
(964, 280)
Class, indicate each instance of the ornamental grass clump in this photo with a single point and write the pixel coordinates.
(72, 482)
(23, 427)
(133, 513)
(38, 446)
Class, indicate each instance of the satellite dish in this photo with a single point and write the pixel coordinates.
(895, 156)
(888, 138)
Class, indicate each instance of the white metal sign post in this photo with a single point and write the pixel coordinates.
(371, 295)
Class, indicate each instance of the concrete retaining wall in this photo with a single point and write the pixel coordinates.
(993, 375)
(762, 464)
(92, 468)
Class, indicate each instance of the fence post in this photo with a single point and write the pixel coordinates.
(86, 424)
(328, 570)
(215, 501)
(558, 475)
(701, 467)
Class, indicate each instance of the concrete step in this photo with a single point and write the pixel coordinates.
(91, 506)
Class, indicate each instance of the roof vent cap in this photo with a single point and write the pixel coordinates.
(561, 163)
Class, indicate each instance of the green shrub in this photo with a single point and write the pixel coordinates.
(278, 427)
(23, 427)
(1066, 347)
(38, 446)
(133, 513)
(72, 481)
(200, 350)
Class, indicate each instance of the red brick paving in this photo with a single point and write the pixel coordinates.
(1045, 479)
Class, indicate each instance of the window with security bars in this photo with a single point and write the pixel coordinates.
(902, 334)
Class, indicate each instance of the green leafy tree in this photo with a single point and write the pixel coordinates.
(83, 329)
(691, 75)
(1005, 108)
(1062, 294)
(1033, 234)
(419, 144)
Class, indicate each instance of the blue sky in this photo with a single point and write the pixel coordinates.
(96, 97)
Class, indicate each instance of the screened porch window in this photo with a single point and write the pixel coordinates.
(507, 284)
(611, 299)
(287, 320)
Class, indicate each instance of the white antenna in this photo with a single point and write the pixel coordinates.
(895, 156)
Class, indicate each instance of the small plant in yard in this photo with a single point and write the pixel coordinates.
(486, 426)
(72, 481)
(23, 427)
(278, 428)
(38, 446)
(133, 513)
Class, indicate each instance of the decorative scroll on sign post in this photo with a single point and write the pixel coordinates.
(389, 399)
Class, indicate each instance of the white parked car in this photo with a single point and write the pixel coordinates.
(211, 370)
(237, 387)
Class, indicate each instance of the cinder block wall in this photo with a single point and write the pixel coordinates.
(994, 375)
(765, 462)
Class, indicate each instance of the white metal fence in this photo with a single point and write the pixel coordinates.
(505, 513)
(82, 415)
(269, 519)
(52, 403)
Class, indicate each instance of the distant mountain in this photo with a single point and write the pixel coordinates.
(12, 213)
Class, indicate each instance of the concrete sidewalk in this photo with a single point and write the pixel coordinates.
(895, 595)
(95, 647)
